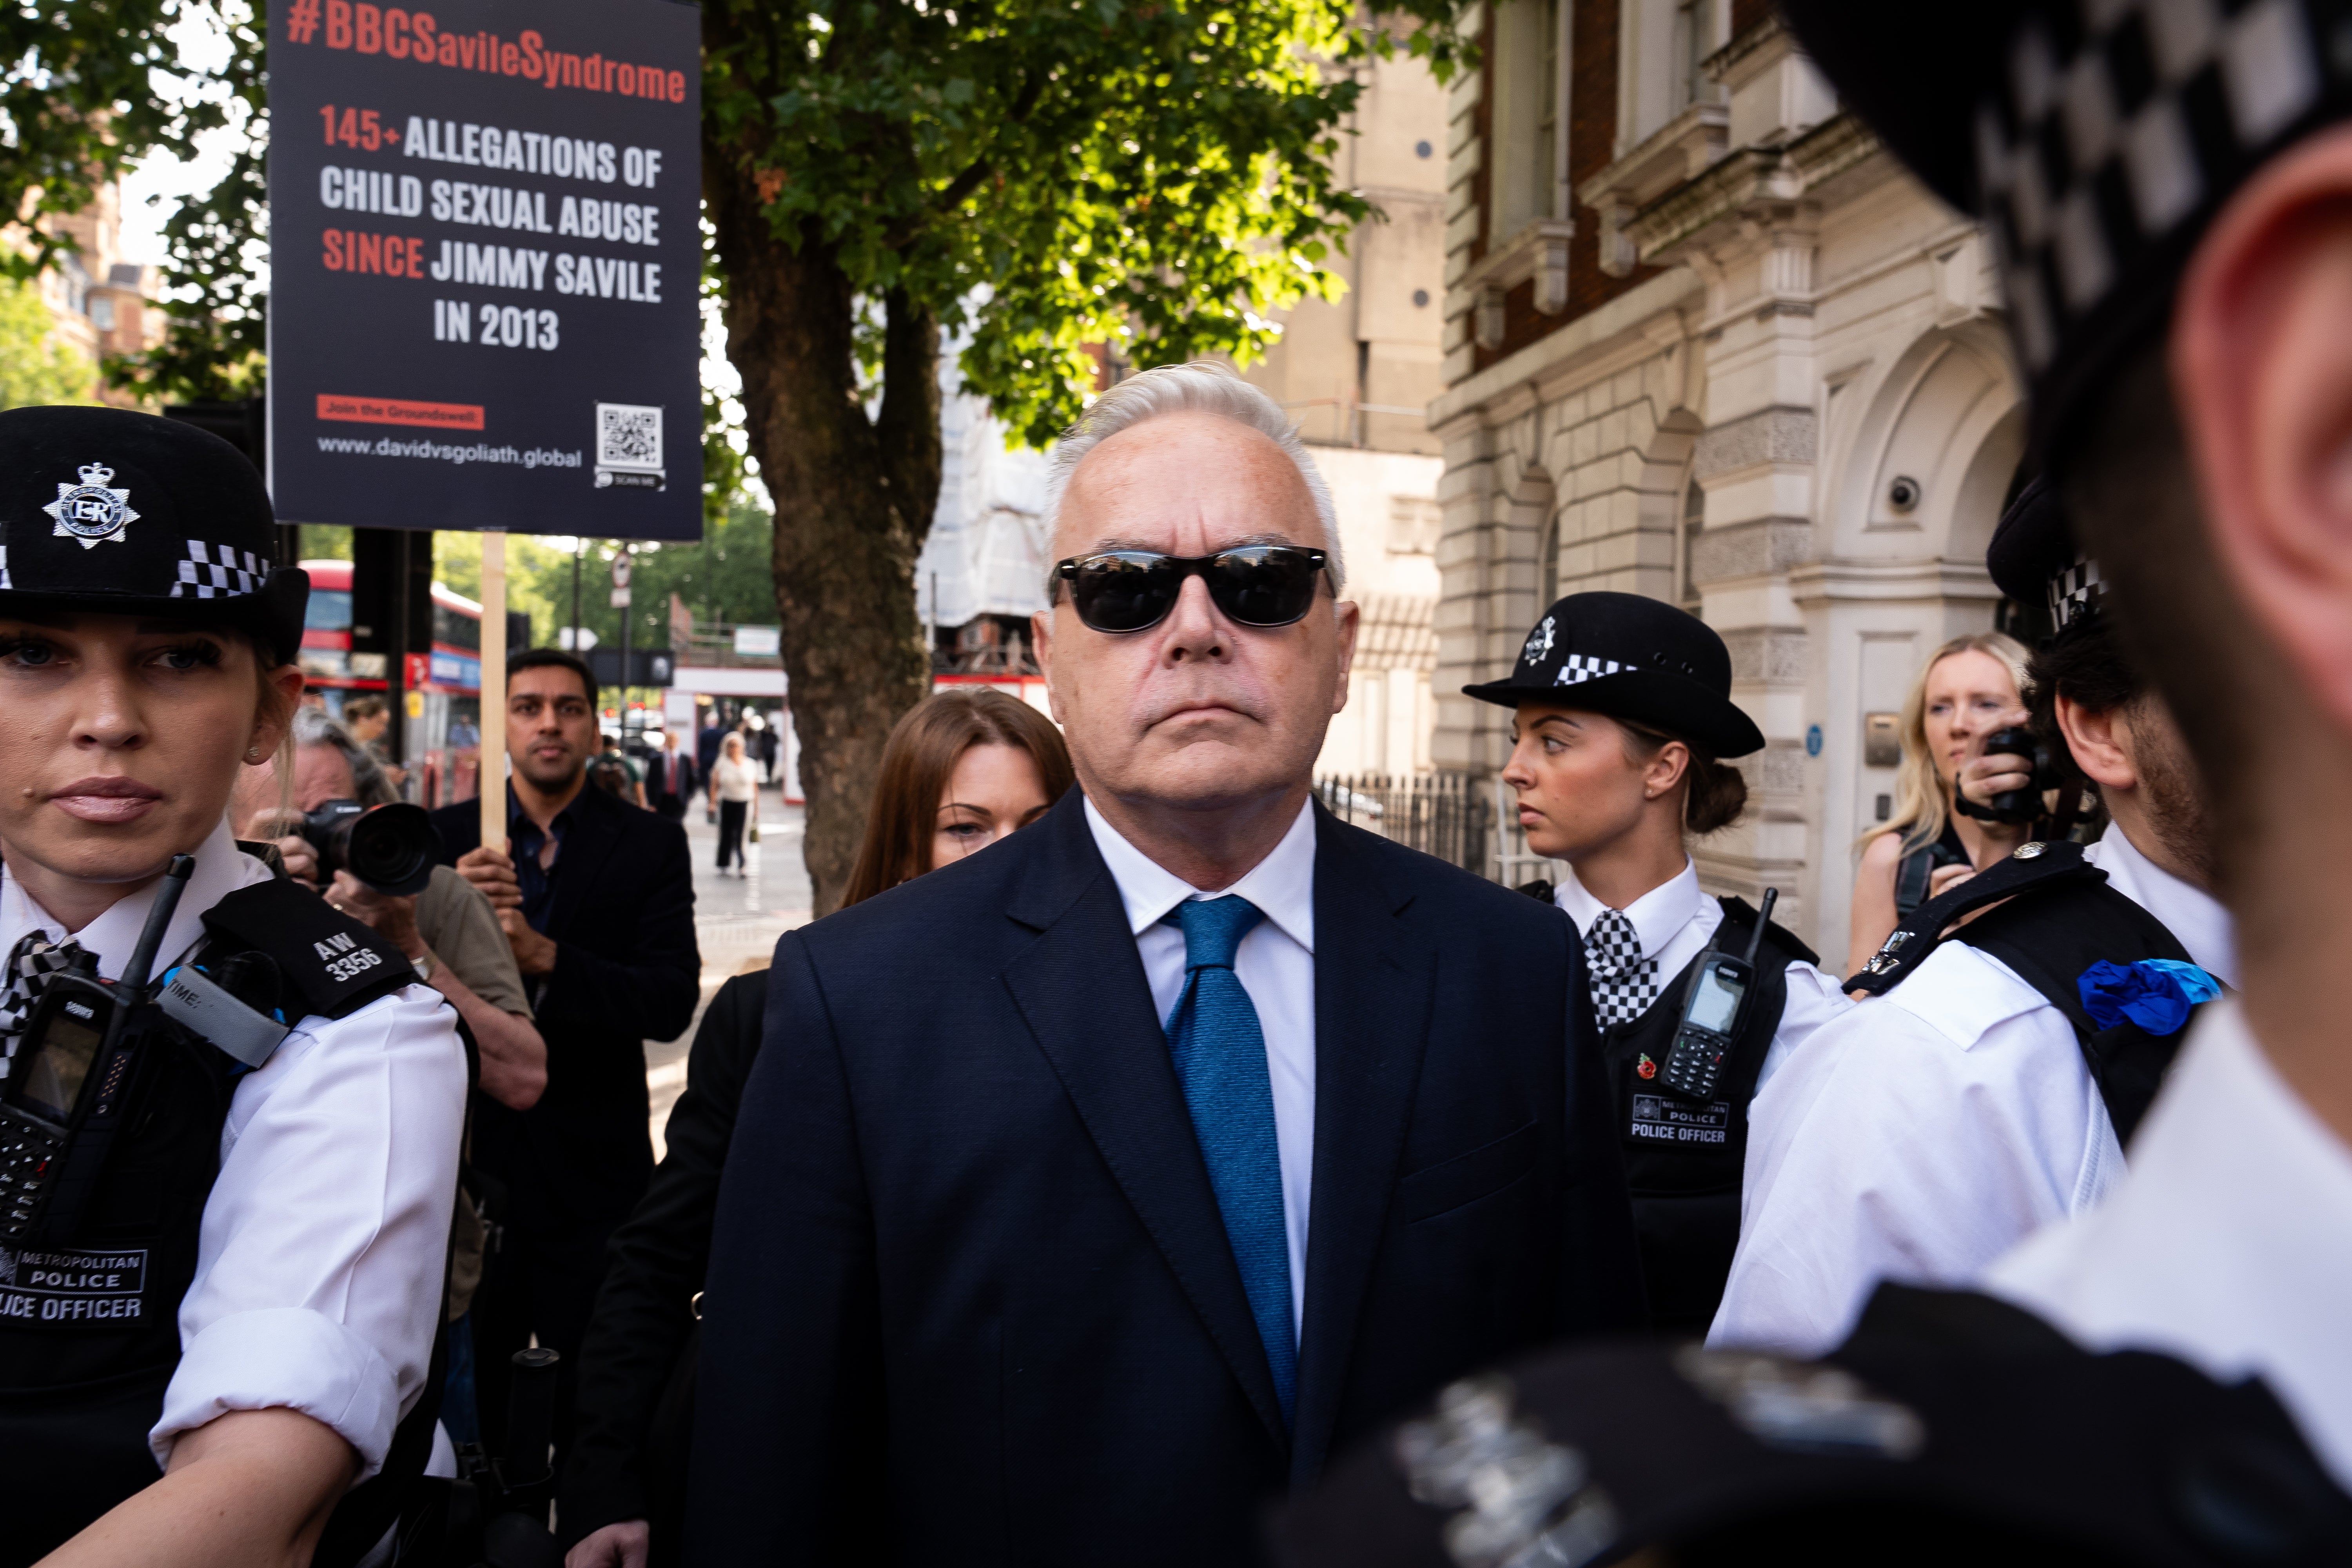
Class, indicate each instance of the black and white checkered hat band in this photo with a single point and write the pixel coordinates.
(1576, 669)
(2074, 594)
(6, 585)
(2119, 122)
(216, 571)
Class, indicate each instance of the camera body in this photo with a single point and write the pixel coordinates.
(392, 849)
(2015, 804)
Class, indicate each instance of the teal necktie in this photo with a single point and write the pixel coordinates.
(1220, 1057)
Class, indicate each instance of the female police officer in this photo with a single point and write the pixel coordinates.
(1623, 705)
(198, 1367)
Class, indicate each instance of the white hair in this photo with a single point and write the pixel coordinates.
(1200, 387)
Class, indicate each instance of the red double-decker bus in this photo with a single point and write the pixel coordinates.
(443, 687)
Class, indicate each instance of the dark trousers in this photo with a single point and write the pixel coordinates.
(731, 830)
(523, 1299)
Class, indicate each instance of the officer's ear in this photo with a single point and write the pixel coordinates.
(2261, 373)
(280, 692)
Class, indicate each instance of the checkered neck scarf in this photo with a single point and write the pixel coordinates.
(30, 964)
(1624, 983)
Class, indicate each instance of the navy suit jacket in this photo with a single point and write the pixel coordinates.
(970, 1298)
(626, 971)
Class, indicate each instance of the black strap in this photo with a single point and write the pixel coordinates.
(2032, 865)
(1539, 889)
(2057, 917)
(330, 962)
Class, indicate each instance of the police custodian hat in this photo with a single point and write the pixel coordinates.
(103, 509)
(1630, 658)
(2097, 139)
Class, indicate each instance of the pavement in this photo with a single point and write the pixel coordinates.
(737, 921)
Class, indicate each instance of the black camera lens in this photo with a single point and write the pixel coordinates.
(392, 849)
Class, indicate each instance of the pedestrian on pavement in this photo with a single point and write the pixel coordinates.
(1969, 689)
(961, 770)
(735, 793)
(1038, 1249)
(671, 775)
(1622, 707)
(597, 901)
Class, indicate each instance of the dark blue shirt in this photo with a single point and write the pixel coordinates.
(537, 881)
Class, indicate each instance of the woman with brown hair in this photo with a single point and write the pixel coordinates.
(963, 769)
(1622, 706)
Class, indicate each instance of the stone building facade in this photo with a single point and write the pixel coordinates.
(1705, 341)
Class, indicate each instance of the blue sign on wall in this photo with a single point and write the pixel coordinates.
(483, 260)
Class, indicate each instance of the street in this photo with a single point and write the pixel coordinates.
(736, 922)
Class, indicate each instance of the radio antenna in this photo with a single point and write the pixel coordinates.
(159, 916)
(1763, 919)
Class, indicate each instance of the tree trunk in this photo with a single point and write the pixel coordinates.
(854, 498)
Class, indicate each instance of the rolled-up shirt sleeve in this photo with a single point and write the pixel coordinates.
(319, 1263)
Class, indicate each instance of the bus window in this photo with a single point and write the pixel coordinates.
(329, 610)
(451, 627)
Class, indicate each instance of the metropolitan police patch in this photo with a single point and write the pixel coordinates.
(90, 511)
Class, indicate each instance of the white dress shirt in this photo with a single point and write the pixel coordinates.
(1927, 1132)
(1675, 921)
(2228, 1244)
(319, 1263)
(1275, 964)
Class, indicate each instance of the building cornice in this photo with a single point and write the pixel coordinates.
(1819, 582)
(1622, 322)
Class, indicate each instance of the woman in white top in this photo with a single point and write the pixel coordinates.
(201, 1359)
(1969, 689)
(735, 791)
(1623, 707)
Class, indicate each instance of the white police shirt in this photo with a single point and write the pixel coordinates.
(1275, 963)
(2228, 1244)
(319, 1263)
(1676, 920)
(1927, 1132)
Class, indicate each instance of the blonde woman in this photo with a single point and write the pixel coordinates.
(1969, 687)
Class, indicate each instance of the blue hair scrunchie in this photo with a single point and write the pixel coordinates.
(2157, 993)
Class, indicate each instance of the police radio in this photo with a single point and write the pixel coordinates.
(69, 1085)
(1714, 1008)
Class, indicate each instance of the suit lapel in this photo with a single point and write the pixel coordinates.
(1081, 988)
(1373, 995)
(588, 842)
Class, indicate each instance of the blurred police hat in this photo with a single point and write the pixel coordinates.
(2097, 139)
(105, 510)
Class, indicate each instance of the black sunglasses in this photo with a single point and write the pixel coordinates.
(1261, 586)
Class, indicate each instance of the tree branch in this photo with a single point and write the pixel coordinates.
(909, 427)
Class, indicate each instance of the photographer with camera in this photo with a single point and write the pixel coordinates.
(1995, 1085)
(446, 928)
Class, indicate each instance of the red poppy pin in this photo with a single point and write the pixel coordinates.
(1645, 1068)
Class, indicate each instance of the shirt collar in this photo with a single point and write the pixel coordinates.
(521, 822)
(1282, 885)
(2195, 916)
(221, 869)
(1656, 915)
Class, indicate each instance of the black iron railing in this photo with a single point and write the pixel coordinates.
(1450, 815)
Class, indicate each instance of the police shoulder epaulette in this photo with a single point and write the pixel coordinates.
(333, 962)
(2033, 866)
(1780, 936)
(1539, 889)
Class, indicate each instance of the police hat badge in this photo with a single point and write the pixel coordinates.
(90, 511)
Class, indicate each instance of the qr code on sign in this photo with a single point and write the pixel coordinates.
(628, 435)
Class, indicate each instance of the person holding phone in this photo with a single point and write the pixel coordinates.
(1624, 709)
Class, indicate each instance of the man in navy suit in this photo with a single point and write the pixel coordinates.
(1090, 1190)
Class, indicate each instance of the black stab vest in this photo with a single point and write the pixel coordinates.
(1684, 1157)
(2056, 916)
(89, 1332)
